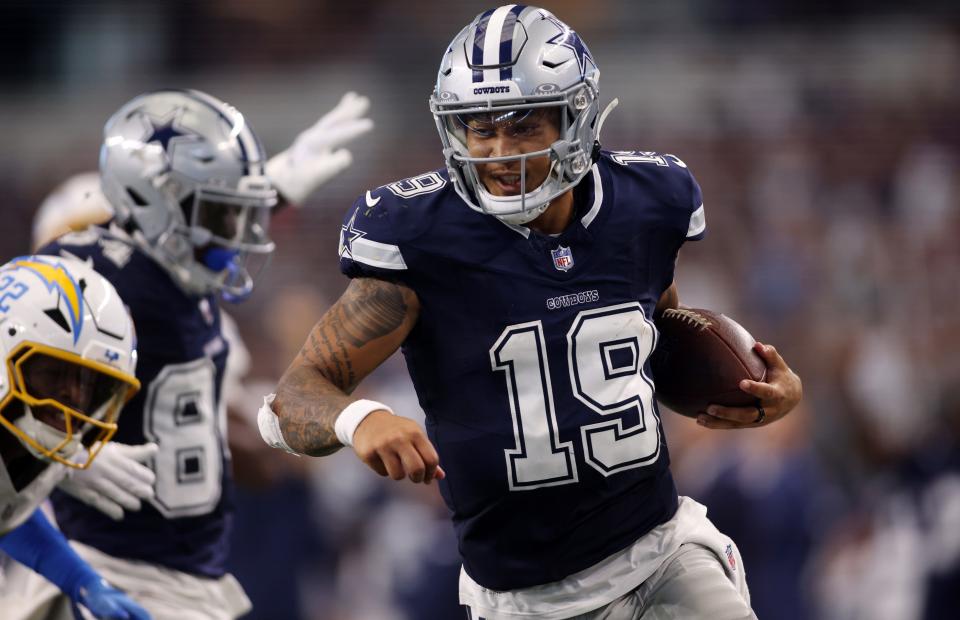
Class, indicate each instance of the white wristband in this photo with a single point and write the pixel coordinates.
(269, 425)
(351, 417)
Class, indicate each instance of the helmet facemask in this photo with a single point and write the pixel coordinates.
(67, 401)
(228, 233)
(570, 156)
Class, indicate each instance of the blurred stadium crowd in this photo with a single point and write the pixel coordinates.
(827, 144)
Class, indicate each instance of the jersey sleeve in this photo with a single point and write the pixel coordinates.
(684, 200)
(373, 238)
(697, 222)
(683, 215)
(665, 188)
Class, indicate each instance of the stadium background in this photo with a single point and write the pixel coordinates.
(827, 144)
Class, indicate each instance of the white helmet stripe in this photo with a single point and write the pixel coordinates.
(491, 43)
(475, 50)
(250, 147)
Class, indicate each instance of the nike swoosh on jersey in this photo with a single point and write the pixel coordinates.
(371, 201)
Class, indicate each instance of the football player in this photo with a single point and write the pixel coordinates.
(121, 478)
(192, 194)
(521, 282)
(69, 358)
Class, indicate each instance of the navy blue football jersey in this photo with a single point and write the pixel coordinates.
(530, 358)
(180, 367)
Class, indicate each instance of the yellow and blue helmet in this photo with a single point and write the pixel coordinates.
(69, 352)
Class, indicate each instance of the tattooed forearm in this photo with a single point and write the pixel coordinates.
(366, 325)
(308, 407)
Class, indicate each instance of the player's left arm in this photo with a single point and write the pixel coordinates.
(779, 392)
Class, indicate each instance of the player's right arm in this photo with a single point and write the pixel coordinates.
(358, 333)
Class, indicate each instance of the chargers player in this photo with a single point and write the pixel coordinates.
(69, 357)
(521, 283)
(192, 194)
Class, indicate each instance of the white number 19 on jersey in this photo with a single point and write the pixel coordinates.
(606, 352)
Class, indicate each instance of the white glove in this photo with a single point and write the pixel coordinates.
(116, 480)
(312, 159)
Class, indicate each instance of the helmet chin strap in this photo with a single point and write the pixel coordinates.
(603, 115)
(496, 205)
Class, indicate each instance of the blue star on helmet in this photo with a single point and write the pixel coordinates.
(164, 131)
(349, 234)
(571, 40)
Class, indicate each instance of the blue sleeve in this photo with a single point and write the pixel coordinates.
(697, 226)
(41, 547)
(370, 240)
(682, 198)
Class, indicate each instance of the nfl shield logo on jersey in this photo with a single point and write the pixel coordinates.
(562, 258)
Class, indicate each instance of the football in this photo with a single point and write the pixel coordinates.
(700, 359)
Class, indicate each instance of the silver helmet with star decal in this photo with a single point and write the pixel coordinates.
(184, 173)
(508, 63)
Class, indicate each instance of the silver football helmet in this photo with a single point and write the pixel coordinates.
(184, 172)
(508, 62)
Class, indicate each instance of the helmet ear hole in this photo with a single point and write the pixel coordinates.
(186, 205)
(137, 199)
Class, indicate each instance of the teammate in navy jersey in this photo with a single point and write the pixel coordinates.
(521, 283)
(192, 194)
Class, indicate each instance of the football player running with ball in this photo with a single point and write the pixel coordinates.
(192, 194)
(521, 283)
(69, 356)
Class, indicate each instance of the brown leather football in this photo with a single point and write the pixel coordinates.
(700, 359)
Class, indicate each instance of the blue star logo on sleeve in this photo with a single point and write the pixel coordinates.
(571, 40)
(349, 234)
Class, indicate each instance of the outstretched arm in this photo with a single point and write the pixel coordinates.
(363, 328)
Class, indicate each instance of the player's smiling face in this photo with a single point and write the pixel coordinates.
(512, 133)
